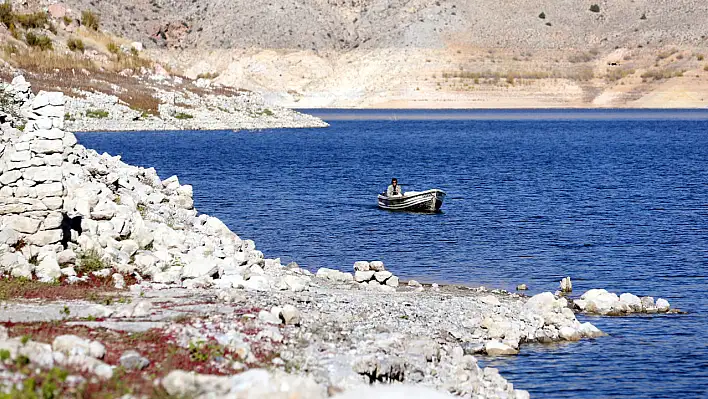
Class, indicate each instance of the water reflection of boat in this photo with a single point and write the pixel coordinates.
(413, 201)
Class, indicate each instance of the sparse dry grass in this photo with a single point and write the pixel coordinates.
(18, 288)
(45, 61)
(661, 74)
(90, 20)
(666, 54)
(577, 73)
(616, 74)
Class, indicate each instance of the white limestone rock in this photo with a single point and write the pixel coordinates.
(662, 305)
(600, 301)
(632, 302)
(496, 348)
(48, 268)
(566, 285)
(361, 266)
(23, 224)
(290, 315)
(382, 276)
(360, 276)
(376, 266)
(590, 331)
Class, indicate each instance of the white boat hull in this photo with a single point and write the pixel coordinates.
(424, 201)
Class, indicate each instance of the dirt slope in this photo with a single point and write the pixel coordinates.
(410, 53)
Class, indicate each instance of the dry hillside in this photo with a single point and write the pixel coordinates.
(431, 53)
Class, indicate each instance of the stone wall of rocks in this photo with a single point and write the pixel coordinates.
(13, 97)
(374, 275)
(61, 204)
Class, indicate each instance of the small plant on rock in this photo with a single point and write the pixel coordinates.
(90, 261)
(142, 209)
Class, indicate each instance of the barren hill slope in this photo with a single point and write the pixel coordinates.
(397, 52)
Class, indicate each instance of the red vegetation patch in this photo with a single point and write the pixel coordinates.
(92, 289)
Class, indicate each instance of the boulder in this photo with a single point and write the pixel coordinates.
(382, 276)
(566, 285)
(295, 283)
(48, 269)
(600, 301)
(290, 315)
(132, 360)
(541, 303)
(590, 331)
(496, 348)
(23, 224)
(662, 305)
(632, 302)
(72, 345)
(363, 276)
(392, 282)
(361, 266)
(569, 333)
(376, 266)
(648, 304)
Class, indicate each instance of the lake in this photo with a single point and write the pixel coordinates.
(614, 199)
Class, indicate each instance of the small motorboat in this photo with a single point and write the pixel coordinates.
(413, 201)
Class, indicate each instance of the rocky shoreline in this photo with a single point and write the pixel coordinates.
(112, 283)
(172, 108)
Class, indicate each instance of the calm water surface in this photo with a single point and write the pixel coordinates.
(616, 200)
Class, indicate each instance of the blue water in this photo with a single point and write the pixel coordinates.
(614, 199)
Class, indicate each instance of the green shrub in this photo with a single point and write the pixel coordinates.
(67, 20)
(542, 15)
(182, 115)
(40, 41)
(90, 20)
(35, 20)
(97, 113)
(90, 261)
(75, 45)
(208, 75)
(113, 48)
(595, 8)
(6, 15)
(700, 57)
(659, 74)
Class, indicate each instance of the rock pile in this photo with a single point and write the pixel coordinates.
(602, 302)
(374, 275)
(66, 210)
(13, 97)
(65, 350)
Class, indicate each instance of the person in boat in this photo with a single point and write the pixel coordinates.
(394, 189)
